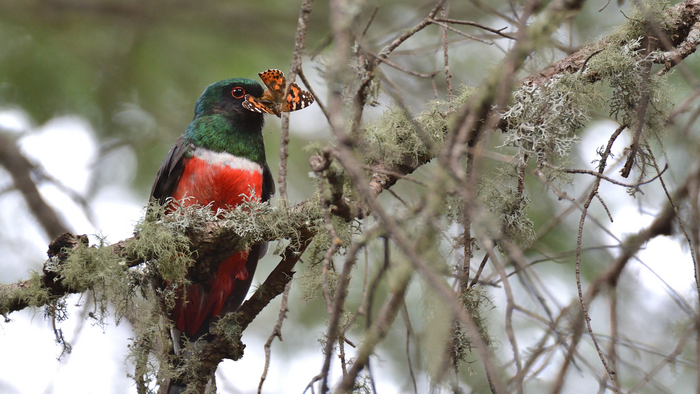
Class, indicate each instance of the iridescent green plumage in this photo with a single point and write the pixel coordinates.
(221, 124)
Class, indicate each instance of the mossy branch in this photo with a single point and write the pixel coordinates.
(171, 238)
(679, 29)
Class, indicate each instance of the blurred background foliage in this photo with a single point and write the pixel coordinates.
(133, 70)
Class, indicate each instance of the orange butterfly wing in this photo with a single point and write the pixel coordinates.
(297, 99)
(252, 104)
(273, 100)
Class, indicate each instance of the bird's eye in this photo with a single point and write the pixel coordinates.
(238, 92)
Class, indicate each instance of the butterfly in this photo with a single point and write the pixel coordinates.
(273, 100)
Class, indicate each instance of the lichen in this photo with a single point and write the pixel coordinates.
(501, 197)
(394, 136)
(98, 269)
(543, 120)
(30, 292)
(155, 238)
(477, 303)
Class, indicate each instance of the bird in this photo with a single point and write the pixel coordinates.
(218, 160)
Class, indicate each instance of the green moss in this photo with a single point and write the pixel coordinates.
(544, 120)
(639, 21)
(311, 282)
(501, 197)
(161, 242)
(172, 247)
(230, 328)
(98, 269)
(34, 294)
(477, 303)
(30, 292)
(445, 342)
(148, 349)
(394, 136)
(311, 279)
(253, 221)
(362, 385)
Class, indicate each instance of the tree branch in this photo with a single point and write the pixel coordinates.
(21, 169)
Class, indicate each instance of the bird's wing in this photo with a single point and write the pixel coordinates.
(169, 172)
(268, 184)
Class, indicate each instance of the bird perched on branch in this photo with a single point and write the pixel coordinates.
(220, 160)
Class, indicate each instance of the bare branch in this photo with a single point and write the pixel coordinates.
(21, 170)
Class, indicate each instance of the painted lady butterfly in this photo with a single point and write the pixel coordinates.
(273, 100)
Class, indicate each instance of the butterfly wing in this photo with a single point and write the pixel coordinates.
(297, 99)
(273, 100)
(252, 104)
(276, 83)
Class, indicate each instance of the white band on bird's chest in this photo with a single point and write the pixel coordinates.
(227, 159)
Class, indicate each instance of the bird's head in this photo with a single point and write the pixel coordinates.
(226, 98)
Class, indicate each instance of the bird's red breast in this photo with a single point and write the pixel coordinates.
(218, 178)
(224, 181)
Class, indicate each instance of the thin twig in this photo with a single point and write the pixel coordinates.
(337, 306)
(510, 306)
(579, 240)
(317, 99)
(446, 57)
(669, 359)
(634, 187)
(461, 33)
(479, 25)
(396, 174)
(276, 333)
(407, 71)
(614, 326)
(478, 271)
(299, 43)
(602, 202)
(409, 333)
(410, 32)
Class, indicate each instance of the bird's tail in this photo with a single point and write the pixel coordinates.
(183, 346)
(200, 335)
